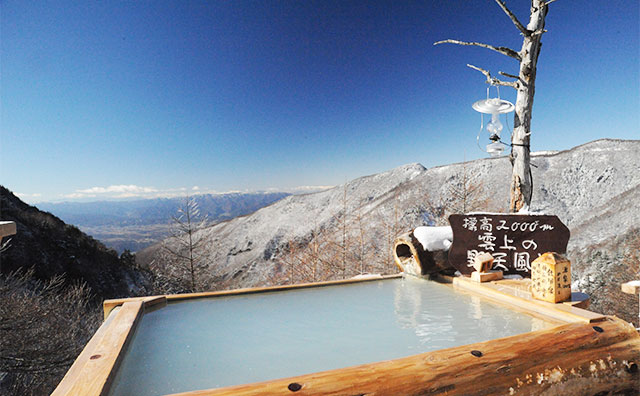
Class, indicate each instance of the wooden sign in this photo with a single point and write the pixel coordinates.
(514, 241)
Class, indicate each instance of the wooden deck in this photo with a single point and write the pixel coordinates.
(516, 294)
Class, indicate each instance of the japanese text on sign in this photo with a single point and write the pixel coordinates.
(513, 240)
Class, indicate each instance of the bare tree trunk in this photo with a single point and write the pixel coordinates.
(521, 180)
(191, 259)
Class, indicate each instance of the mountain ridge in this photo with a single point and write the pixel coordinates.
(575, 184)
(135, 224)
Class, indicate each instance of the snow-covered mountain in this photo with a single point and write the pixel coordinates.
(593, 189)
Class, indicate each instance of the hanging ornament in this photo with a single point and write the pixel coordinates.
(493, 107)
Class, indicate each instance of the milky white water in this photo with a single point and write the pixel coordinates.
(207, 343)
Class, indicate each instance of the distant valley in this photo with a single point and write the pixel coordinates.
(136, 224)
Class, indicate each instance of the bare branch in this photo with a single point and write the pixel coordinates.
(503, 50)
(549, 2)
(538, 32)
(513, 18)
(485, 72)
(493, 80)
(508, 75)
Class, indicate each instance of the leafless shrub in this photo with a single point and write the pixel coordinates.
(602, 268)
(360, 241)
(347, 249)
(611, 300)
(43, 327)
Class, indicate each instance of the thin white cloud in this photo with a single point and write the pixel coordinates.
(300, 189)
(311, 188)
(118, 189)
(132, 191)
(121, 191)
(78, 195)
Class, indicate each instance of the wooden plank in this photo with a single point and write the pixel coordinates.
(632, 287)
(96, 365)
(71, 376)
(109, 305)
(576, 358)
(521, 288)
(486, 276)
(254, 290)
(7, 228)
(578, 300)
(523, 301)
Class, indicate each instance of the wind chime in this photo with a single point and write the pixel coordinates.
(494, 107)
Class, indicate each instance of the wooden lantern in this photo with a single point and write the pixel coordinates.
(551, 278)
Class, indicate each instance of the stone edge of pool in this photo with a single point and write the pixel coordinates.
(95, 367)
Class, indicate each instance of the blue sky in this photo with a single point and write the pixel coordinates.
(145, 98)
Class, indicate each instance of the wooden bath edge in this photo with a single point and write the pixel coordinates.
(571, 359)
(108, 305)
(95, 367)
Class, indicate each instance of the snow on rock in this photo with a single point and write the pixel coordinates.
(434, 238)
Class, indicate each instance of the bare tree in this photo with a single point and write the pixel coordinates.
(184, 254)
(304, 261)
(43, 327)
(388, 229)
(521, 179)
(466, 194)
(339, 240)
(362, 253)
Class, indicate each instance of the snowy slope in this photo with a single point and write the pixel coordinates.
(593, 188)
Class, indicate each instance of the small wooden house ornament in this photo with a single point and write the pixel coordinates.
(482, 264)
(551, 278)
